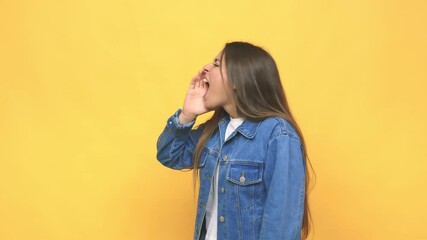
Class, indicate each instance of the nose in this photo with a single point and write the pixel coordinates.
(207, 67)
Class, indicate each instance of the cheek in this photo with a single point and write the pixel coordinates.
(218, 81)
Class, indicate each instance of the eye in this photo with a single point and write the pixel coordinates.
(216, 62)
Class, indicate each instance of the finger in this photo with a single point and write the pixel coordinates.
(202, 73)
(199, 81)
(193, 82)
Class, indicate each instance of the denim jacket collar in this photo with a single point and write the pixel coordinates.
(248, 128)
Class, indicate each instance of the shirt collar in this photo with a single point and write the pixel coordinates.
(248, 128)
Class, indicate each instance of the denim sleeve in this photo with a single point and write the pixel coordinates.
(176, 144)
(285, 185)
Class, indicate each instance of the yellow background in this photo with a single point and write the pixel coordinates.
(86, 88)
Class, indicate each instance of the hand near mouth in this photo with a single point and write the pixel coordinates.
(194, 102)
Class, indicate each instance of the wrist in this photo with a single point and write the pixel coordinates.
(185, 118)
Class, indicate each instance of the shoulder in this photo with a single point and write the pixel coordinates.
(277, 126)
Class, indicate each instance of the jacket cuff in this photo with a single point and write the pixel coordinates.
(178, 128)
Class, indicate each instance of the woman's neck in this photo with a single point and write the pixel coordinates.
(232, 111)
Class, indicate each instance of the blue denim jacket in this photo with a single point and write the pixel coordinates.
(261, 180)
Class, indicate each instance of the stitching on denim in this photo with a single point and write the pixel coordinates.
(260, 170)
(284, 125)
(249, 135)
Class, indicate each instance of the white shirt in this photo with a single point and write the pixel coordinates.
(212, 205)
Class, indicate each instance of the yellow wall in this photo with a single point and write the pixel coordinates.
(86, 88)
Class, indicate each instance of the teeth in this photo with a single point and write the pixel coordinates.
(205, 80)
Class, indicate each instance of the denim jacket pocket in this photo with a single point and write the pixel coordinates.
(244, 179)
(245, 173)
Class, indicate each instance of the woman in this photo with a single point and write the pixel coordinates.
(250, 156)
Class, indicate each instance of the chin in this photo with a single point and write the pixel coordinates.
(210, 107)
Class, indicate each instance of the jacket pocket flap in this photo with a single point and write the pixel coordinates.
(245, 173)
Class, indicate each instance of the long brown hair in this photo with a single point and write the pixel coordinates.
(258, 94)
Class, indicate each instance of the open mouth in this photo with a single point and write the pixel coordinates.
(205, 80)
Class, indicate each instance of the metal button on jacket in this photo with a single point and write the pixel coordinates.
(221, 219)
(225, 158)
(242, 179)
